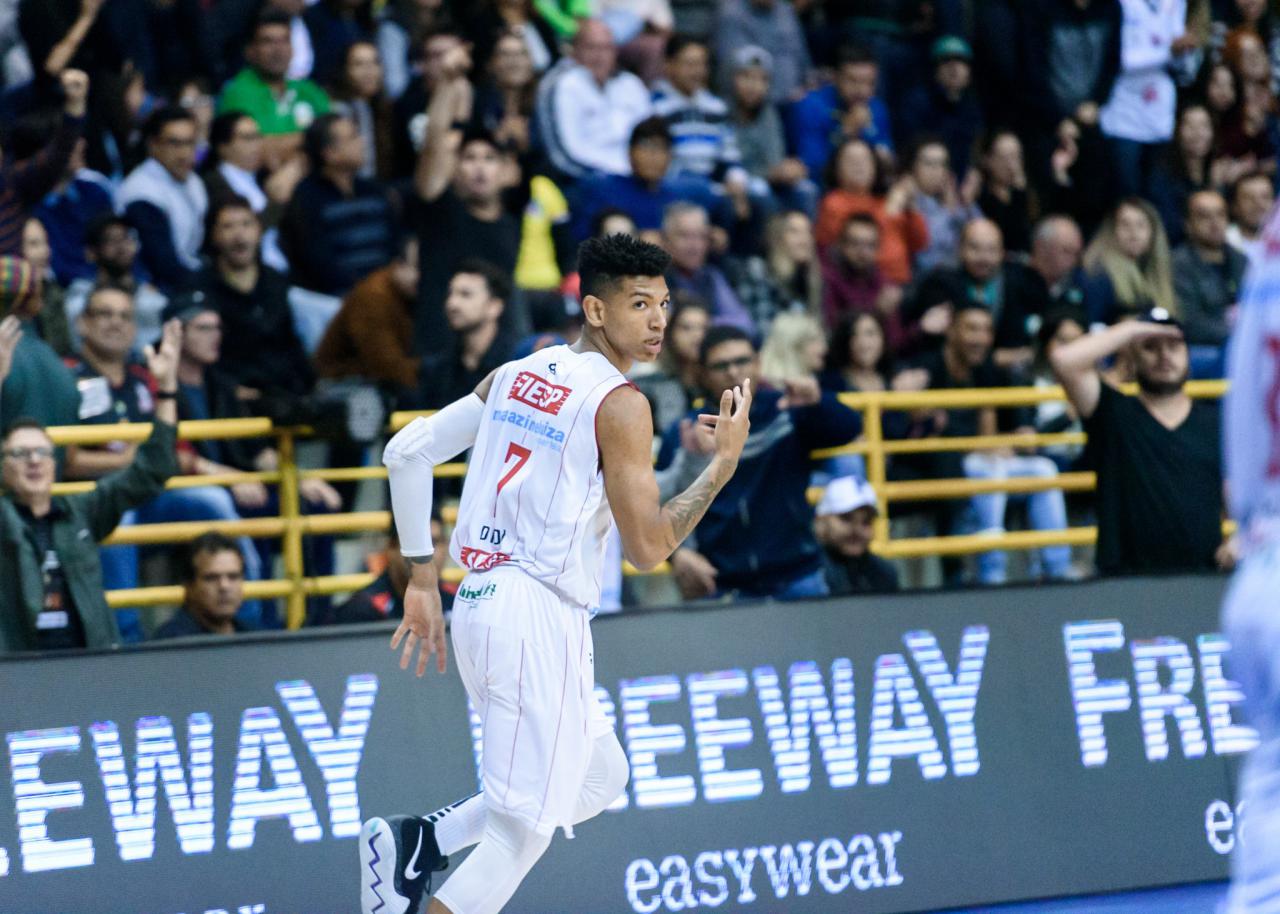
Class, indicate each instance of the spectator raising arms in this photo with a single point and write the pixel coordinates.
(58, 602)
(24, 184)
(459, 181)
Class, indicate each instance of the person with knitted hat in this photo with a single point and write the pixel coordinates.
(39, 386)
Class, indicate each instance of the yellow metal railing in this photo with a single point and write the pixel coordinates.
(291, 526)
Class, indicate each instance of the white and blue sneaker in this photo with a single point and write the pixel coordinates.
(398, 854)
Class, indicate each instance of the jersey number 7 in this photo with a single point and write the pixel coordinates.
(521, 454)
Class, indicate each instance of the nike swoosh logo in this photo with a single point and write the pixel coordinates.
(411, 872)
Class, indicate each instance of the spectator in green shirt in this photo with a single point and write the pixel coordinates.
(283, 107)
(563, 15)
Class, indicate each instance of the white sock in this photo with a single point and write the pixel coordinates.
(459, 825)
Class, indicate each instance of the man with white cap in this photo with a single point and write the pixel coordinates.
(844, 527)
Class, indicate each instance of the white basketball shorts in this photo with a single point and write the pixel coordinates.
(527, 662)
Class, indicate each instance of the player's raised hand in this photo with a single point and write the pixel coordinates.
(733, 424)
(423, 626)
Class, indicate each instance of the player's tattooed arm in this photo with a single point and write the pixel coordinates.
(651, 531)
(683, 512)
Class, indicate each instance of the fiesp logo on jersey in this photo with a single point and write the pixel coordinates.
(479, 560)
(539, 393)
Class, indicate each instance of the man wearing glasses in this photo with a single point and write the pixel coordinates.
(53, 599)
(757, 538)
(165, 201)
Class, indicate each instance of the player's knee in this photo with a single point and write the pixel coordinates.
(522, 843)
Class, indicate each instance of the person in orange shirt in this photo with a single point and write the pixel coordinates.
(854, 176)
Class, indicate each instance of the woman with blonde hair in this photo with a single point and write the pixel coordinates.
(795, 350)
(788, 276)
(1128, 264)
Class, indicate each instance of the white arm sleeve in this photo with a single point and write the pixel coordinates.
(412, 454)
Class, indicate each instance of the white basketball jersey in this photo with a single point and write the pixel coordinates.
(534, 493)
(1251, 420)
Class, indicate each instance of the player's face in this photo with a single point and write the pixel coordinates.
(218, 588)
(1161, 365)
(634, 316)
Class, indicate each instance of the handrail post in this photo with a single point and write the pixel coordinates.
(873, 431)
(291, 512)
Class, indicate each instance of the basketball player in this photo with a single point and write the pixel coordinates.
(562, 450)
(1251, 612)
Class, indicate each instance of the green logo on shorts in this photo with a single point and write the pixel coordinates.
(474, 594)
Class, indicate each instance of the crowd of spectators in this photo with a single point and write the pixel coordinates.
(281, 197)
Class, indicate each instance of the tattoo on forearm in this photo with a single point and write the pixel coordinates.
(419, 559)
(684, 511)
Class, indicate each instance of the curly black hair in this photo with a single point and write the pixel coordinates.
(604, 261)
